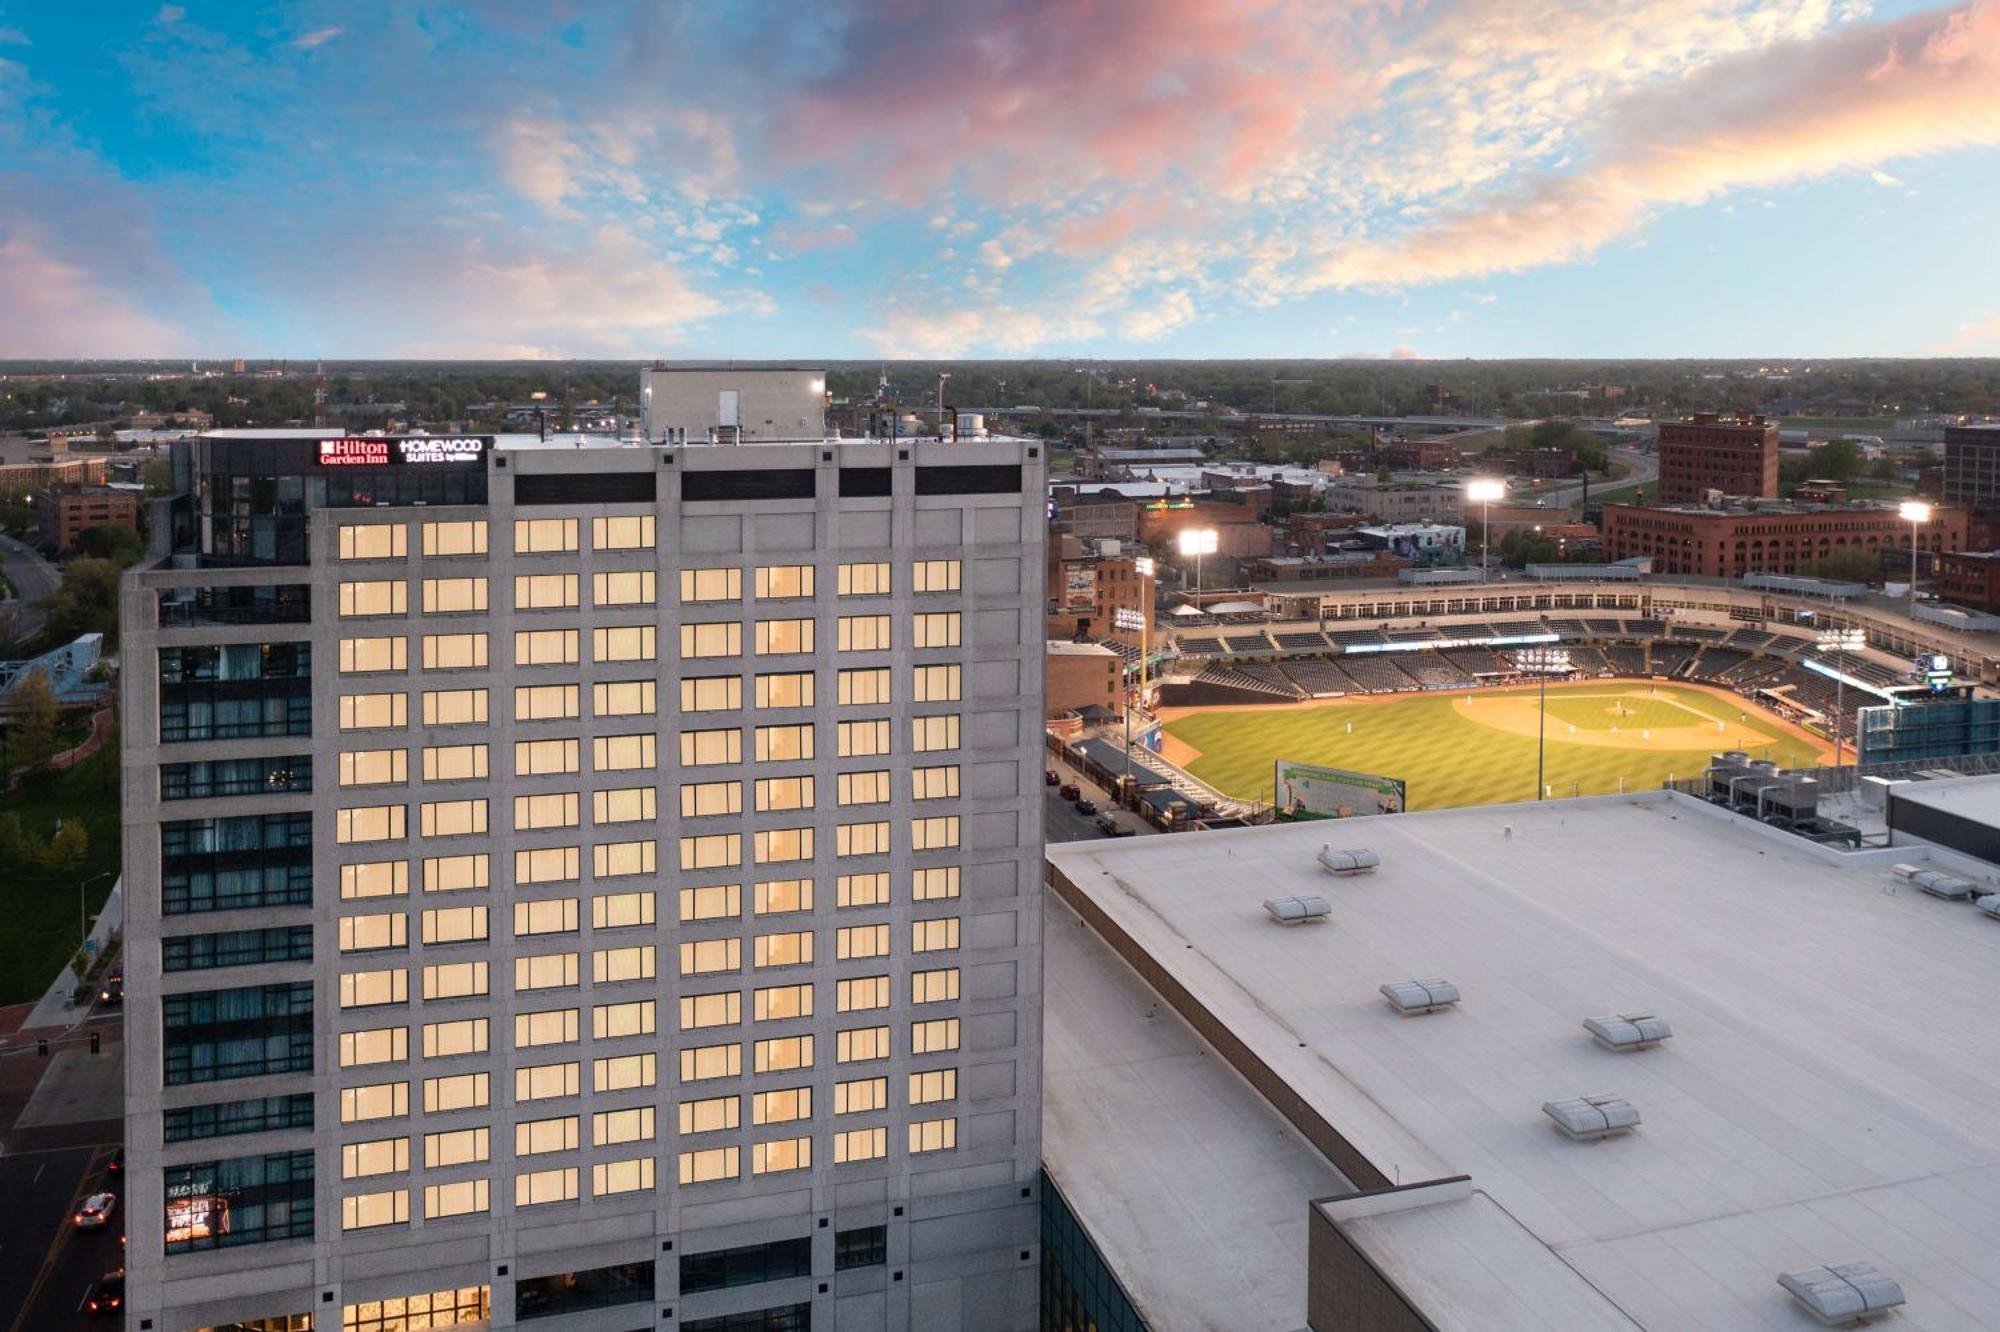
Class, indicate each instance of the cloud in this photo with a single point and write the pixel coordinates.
(58, 308)
(801, 240)
(1884, 179)
(317, 37)
(170, 14)
(1980, 338)
(1172, 311)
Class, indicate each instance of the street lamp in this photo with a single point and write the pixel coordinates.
(1198, 541)
(1485, 490)
(1544, 661)
(1841, 642)
(1916, 513)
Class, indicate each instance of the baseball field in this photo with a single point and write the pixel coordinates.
(1478, 747)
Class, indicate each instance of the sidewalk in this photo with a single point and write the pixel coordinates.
(55, 1008)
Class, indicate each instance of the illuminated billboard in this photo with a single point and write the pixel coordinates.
(385, 451)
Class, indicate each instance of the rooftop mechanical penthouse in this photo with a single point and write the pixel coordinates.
(586, 881)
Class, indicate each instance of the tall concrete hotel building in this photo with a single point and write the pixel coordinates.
(588, 884)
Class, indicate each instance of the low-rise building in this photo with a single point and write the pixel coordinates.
(1736, 454)
(1405, 499)
(1080, 675)
(1747, 536)
(1970, 578)
(69, 512)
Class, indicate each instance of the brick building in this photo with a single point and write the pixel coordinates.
(66, 514)
(1769, 538)
(1971, 464)
(1970, 578)
(1735, 454)
(1080, 674)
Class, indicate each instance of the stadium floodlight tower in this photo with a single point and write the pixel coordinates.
(1485, 489)
(1198, 541)
(1840, 642)
(1916, 513)
(1124, 617)
(1544, 662)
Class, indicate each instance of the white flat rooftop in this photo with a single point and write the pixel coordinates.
(1975, 798)
(1829, 1095)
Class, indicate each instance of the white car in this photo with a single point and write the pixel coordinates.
(95, 1211)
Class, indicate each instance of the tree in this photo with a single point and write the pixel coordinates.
(37, 712)
(1838, 460)
(121, 545)
(86, 602)
(1848, 566)
(159, 478)
(1524, 546)
(69, 846)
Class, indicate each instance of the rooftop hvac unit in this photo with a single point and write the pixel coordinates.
(1838, 1296)
(1584, 1117)
(1990, 904)
(1628, 1031)
(1298, 910)
(1939, 884)
(1348, 862)
(1412, 997)
(1795, 799)
(1907, 873)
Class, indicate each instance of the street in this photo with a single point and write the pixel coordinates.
(33, 578)
(1061, 822)
(46, 1264)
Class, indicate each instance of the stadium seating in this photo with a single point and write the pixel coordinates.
(1589, 661)
(1376, 675)
(1479, 661)
(1433, 671)
(1200, 647)
(1568, 628)
(1605, 628)
(1697, 633)
(1756, 640)
(1299, 640)
(1273, 677)
(1511, 629)
(1239, 644)
(1671, 659)
(1645, 628)
(1714, 663)
(1350, 637)
(1232, 677)
(1626, 660)
(1319, 678)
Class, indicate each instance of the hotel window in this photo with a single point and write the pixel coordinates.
(777, 582)
(706, 1166)
(554, 1026)
(544, 591)
(863, 788)
(464, 1198)
(557, 809)
(793, 949)
(374, 541)
(359, 656)
(635, 1018)
(624, 804)
(781, 637)
(934, 783)
(711, 640)
(778, 846)
(609, 860)
(776, 1003)
(454, 707)
(613, 1177)
(374, 767)
(630, 533)
(366, 934)
(454, 652)
(622, 1072)
(934, 834)
(369, 823)
(543, 536)
(863, 739)
(549, 864)
(705, 748)
(782, 744)
(543, 1082)
(793, 689)
(712, 1115)
(860, 1045)
(622, 698)
(720, 902)
(545, 971)
(612, 911)
(720, 850)
(625, 643)
(860, 1096)
(445, 1039)
(365, 1211)
(701, 1011)
(934, 1036)
(937, 629)
(698, 585)
(537, 1187)
(542, 758)
(455, 763)
(450, 874)
(937, 684)
(777, 897)
(781, 1054)
(864, 633)
(610, 966)
(855, 941)
(933, 1135)
(709, 957)
(784, 793)
(444, 596)
(860, 890)
(631, 588)
(714, 693)
(463, 538)
(450, 925)
(378, 1045)
(934, 936)
(375, 879)
(455, 980)
(860, 994)
(623, 753)
(780, 1155)
(705, 799)
(864, 685)
(861, 839)
(381, 1100)
(457, 1148)
(930, 885)
(930, 734)
(544, 647)
(864, 580)
(786, 1106)
(545, 702)
(935, 576)
(934, 987)
(464, 1091)
(373, 712)
(866, 1144)
(453, 818)
(378, 597)
(699, 1063)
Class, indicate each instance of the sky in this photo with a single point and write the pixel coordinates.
(847, 179)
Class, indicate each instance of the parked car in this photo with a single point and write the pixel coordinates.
(1111, 827)
(1050, 778)
(107, 1293)
(96, 1210)
(113, 989)
(1085, 805)
(117, 1161)
(1069, 791)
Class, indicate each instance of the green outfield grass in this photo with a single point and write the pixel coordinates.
(1478, 747)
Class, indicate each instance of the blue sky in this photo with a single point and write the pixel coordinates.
(861, 178)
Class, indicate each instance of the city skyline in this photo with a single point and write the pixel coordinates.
(1035, 178)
